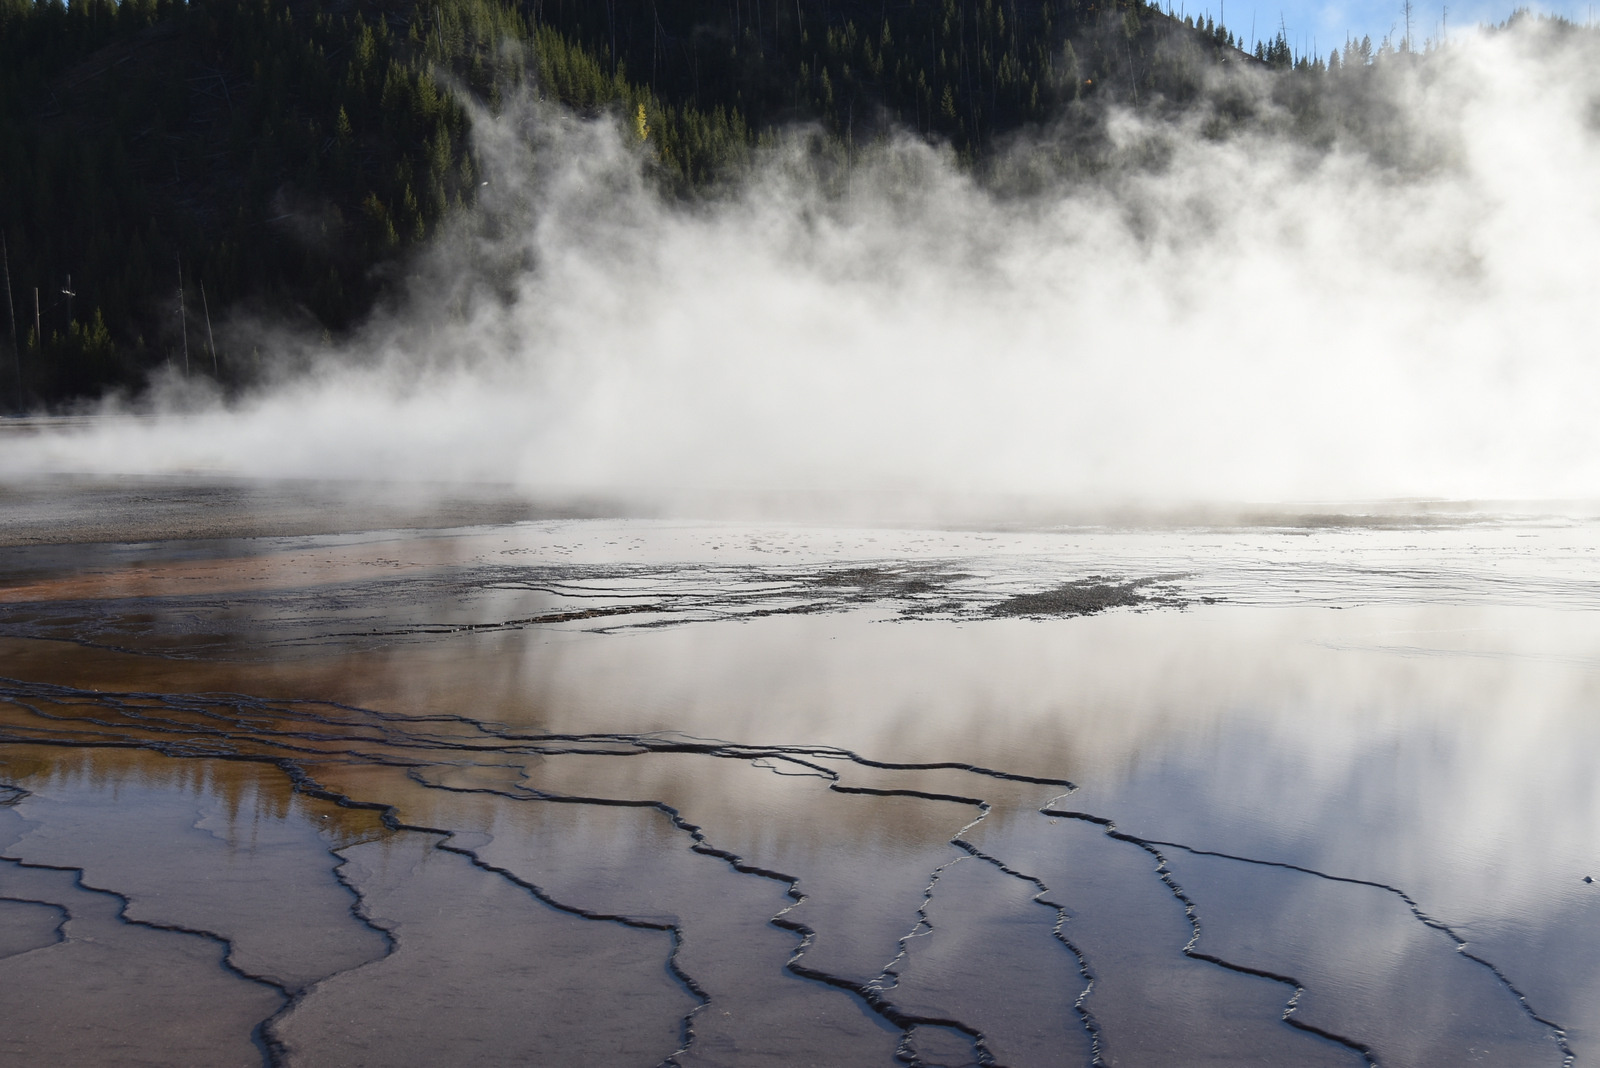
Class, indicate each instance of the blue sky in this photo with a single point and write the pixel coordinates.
(1325, 24)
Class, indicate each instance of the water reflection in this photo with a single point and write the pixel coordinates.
(749, 796)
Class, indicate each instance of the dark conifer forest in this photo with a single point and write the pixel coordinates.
(167, 165)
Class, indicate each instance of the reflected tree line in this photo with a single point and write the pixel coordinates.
(169, 164)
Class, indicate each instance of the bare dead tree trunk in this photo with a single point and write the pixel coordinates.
(211, 340)
(11, 318)
(183, 319)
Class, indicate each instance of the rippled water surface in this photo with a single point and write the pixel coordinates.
(612, 792)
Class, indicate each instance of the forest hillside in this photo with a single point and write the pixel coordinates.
(166, 165)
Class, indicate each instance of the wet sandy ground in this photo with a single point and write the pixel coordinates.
(600, 791)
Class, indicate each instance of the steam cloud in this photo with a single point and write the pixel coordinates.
(1411, 311)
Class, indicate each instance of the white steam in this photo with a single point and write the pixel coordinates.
(1245, 319)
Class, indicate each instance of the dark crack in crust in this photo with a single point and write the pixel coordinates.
(272, 1051)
